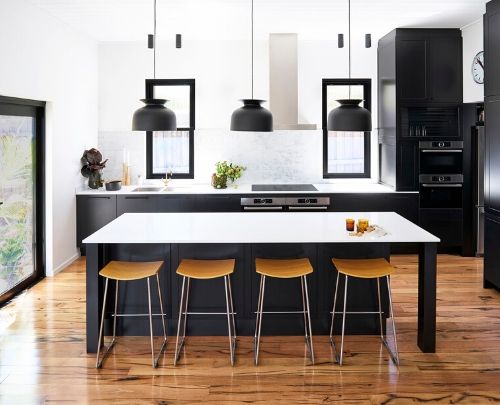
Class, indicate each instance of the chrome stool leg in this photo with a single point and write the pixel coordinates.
(310, 343)
(394, 356)
(343, 322)
(100, 342)
(232, 308)
(151, 324)
(306, 332)
(164, 343)
(182, 313)
(332, 340)
(259, 318)
(380, 310)
(229, 322)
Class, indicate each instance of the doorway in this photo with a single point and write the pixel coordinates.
(21, 195)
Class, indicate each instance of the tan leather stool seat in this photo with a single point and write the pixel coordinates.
(283, 268)
(363, 268)
(127, 271)
(206, 269)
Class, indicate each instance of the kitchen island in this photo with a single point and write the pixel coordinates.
(244, 236)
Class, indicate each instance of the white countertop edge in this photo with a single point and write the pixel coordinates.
(322, 188)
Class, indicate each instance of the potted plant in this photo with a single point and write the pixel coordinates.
(92, 166)
(225, 171)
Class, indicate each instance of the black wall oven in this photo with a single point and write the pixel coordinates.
(441, 191)
(441, 157)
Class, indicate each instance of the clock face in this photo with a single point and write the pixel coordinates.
(478, 68)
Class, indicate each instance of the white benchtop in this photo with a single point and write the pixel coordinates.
(245, 227)
(327, 188)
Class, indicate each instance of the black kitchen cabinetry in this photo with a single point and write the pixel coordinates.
(429, 65)
(492, 140)
(218, 203)
(419, 98)
(93, 212)
(136, 203)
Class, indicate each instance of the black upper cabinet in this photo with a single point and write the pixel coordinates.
(492, 49)
(429, 65)
(407, 166)
(412, 69)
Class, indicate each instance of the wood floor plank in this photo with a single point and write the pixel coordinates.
(43, 358)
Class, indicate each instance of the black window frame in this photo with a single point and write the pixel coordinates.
(150, 85)
(367, 92)
(19, 106)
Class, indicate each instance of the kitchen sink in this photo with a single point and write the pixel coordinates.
(147, 189)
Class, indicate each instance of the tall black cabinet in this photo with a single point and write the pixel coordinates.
(419, 79)
(492, 138)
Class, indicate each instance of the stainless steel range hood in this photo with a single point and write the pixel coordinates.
(283, 82)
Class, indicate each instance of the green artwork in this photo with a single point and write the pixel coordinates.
(16, 197)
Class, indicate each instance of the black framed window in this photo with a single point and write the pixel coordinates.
(22, 193)
(345, 154)
(172, 151)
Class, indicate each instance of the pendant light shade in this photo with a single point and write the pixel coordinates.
(154, 116)
(252, 117)
(349, 116)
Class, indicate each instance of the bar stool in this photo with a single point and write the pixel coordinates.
(205, 270)
(366, 269)
(129, 271)
(284, 268)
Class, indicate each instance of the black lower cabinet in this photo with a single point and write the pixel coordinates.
(136, 203)
(217, 203)
(445, 223)
(492, 252)
(92, 213)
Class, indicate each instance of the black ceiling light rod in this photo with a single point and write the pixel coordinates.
(252, 116)
(349, 116)
(154, 116)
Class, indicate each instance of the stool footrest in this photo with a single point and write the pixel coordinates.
(359, 312)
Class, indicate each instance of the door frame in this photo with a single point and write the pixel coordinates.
(39, 194)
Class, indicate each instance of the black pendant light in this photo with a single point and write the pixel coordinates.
(349, 116)
(252, 116)
(154, 116)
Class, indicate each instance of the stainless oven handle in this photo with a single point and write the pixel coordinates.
(441, 185)
(273, 208)
(319, 207)
(441, 150)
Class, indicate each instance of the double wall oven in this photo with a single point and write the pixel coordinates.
(441, 189)
(270, 204)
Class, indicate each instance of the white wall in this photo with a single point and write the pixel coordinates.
(44, 59)
(472, 39)
(222, 73)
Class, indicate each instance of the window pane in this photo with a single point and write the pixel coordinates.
(171, 152)
(346, 152)
(16, 194)
(178, 102)
(339, 92)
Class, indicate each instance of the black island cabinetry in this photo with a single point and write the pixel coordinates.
(94, 212)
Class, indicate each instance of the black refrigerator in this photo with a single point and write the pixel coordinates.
(478, 150)
(492, 145)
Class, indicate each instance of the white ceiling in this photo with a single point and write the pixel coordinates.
(130, 20)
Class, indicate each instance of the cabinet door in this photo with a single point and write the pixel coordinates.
(492, 161)
(92, 213)
(492, 49)
(412, 75)
(446, 224)
(445, 69)
(176, 203)
(136, 203)
(407, 172)
(491, 251)
(216, 203)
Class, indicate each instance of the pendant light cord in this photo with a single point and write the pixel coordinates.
(154, 41)
(252, 46)
(349, 49)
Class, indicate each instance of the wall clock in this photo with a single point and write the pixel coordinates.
(478, 68)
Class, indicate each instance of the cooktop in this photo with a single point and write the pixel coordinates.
(283, 187)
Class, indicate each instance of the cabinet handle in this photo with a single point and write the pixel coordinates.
(102, 197)
(441, 185)
(137, 198)
(441, 150)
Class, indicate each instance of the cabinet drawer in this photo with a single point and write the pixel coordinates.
(176, 203)
(216, 203)
(136, 203)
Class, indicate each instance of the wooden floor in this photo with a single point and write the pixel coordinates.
(43, 358)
